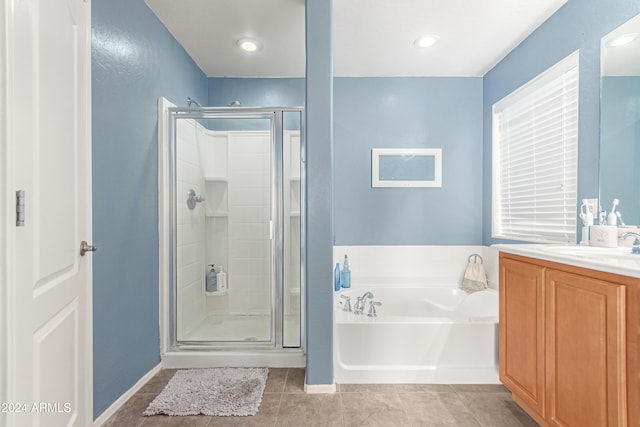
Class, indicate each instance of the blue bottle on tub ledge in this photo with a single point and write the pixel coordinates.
(345, 275)
(336, 277)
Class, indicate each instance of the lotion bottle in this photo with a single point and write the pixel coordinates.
(222, 280)
(212, 279)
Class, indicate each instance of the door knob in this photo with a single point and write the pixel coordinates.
(85, 247)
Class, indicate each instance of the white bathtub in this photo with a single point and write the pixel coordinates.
(437, 335)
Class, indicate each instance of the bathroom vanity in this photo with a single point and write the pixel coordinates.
(569, 333)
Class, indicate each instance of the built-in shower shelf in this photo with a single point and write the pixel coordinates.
(216, 293)
(216, 179)
(217, 214)
(294, 213)
(294, 178)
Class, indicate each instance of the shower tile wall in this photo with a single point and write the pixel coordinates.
(191, 230)
(249, 216)
(214, 158)
(237, 166)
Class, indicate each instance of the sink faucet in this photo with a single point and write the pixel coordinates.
(359, 307)
(635, 249)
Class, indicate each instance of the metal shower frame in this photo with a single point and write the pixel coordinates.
(275, 115)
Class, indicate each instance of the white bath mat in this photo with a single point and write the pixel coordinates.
(216, 391)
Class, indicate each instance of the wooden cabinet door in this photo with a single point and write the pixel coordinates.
(585, 347)
(522, 332)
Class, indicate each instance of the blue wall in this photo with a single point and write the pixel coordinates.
(408, 112)
(579, 24)
(620, 157)
(134, 61)
(256, 92)
(403, 112)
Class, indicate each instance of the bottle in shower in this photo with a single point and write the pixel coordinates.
(345, 275)
(336, 277)
(222, 279)
(212, 279)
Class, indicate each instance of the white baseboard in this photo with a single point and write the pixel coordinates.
(108, 413)
(319, 388)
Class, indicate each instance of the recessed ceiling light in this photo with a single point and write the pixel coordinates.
(249, 45)
(426, 41)
(622, 40)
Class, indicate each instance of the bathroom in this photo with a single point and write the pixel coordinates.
(136, 60)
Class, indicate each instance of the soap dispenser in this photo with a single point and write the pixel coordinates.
(212, 279)
(345, 274)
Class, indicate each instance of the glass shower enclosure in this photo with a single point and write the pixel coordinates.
(236, 241)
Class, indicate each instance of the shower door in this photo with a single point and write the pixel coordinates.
(237, 248)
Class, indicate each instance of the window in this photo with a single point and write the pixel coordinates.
(535, 150)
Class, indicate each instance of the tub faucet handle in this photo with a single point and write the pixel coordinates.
(372, 308)
(347, 303)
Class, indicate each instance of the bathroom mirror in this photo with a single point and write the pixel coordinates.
(406, 167)
(620, 121)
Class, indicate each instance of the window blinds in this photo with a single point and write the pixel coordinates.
(535, 150)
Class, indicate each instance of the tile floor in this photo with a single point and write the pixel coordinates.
(285, 404)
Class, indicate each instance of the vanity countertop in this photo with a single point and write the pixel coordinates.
(618, 260)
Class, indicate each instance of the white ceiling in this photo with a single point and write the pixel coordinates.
(371, 37)
(622, 60)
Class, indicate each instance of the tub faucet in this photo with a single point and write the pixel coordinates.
(359, 307)
(635, 249)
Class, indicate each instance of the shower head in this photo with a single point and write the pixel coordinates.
(192, 101)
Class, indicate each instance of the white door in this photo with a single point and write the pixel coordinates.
(49, 347)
